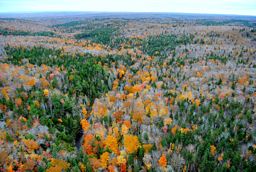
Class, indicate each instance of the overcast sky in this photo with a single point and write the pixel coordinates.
(243, 7)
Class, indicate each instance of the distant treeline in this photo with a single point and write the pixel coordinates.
(6, 32)
(226, 22)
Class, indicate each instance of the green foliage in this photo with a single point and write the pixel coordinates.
(45, 33)
(159, 45)
(128, 42)
(162, 45)
(222, 130)
(117, 59)
(9, 137)
(35, 55)
(222, 59)
(6, 32)
(89, 78)
(100, 35)
(238, 22)
(80, 158)
(13, 32)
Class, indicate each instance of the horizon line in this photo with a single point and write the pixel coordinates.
(102, 12)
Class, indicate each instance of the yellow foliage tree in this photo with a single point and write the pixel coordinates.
(131, 143)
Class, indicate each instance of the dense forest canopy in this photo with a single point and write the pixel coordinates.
(119, 92)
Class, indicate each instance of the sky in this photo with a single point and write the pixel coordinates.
(239, 7)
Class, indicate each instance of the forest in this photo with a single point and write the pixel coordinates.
(127, 94)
